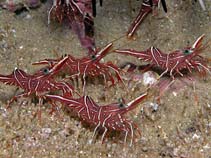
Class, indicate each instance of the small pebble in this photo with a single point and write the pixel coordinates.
(144, 149)
(45, 132)
(195, 136)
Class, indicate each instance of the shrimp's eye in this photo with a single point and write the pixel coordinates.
(93, 57)
(187, 51)
(121, 103)
(46, 71)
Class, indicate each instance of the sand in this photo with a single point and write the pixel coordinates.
(180, 127)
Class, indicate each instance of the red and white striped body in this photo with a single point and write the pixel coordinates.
(107, 117)
(41, 82)
(80, 18)
(88, 66)
(146, 8)
(188, 58)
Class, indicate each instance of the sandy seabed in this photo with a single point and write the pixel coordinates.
(180, 127)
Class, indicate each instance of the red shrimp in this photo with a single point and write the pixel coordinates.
(175, 62)
(107, 117)
(80, 18)
(40, 82)
(146, 8)
(88, 66)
